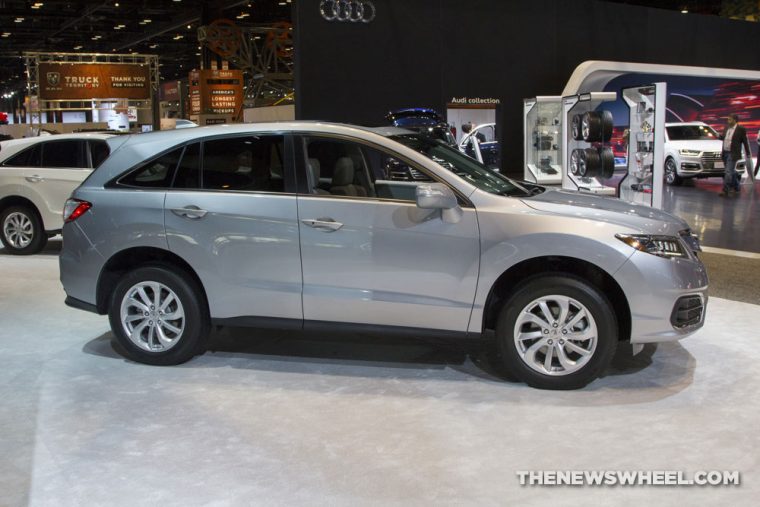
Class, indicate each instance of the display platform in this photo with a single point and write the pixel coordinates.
(286, 420)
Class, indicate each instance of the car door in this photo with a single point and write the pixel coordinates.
(64, 166)
(232, 215)
(379, 260)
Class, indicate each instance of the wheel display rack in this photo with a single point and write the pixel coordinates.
(542, 129)
(587, 133)
(643, 182)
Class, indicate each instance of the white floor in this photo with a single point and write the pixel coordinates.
(294, 421)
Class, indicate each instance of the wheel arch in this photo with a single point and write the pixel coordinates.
(505, 285)
(18, 200)
(131, 258)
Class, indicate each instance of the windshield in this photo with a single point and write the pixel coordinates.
(692, 133)
(461, 165)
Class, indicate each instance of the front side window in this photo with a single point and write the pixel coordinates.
(65, 154)
(344, 168)
(251, 163)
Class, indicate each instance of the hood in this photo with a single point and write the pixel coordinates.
(701, 145)
(642, 219)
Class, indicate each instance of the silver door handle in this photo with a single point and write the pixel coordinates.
(323, 224)
(35, 178)
(193, 212)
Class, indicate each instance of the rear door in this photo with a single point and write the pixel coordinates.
(232, 215)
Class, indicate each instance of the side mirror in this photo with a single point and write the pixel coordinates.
(439, 196)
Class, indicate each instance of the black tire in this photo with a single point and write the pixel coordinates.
(558, 285)
(607, 162)
(671, 173)
(10, 239)
(193, 338)
(596, 126)
(575, 128)
(589, 163)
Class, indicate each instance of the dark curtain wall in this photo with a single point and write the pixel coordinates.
(421, 53)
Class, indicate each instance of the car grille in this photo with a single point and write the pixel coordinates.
(687, 312)
(711, 156)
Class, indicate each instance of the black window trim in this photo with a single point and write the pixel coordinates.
(289, 163)
(303, 191)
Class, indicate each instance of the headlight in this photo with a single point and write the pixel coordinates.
(689, 153)
(661, 246)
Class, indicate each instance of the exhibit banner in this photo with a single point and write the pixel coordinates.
(84, 81)
(215, 91)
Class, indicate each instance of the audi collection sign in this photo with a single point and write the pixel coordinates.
(84, 81)
(353, 11)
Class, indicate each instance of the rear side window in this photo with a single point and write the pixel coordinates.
(29, 157)
(253, 163)
(64, 154)
(157, 173)
(98, 152)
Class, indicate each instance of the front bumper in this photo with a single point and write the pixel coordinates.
(654, 288)
(704, 166)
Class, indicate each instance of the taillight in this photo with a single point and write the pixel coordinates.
(74, 208)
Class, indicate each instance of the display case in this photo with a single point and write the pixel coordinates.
(542, 126)
(587, 132)
(643, 182)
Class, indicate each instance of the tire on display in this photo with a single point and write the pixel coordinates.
(596, 126)
(671, 173)
(159, 315)
(556, 331)
(589, 163)
(22, 231)
(575, 162)
(607, 162)
(575, 128)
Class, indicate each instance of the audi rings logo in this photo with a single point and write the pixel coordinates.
(354, 11)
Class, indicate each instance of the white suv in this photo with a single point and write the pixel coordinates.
(37, 175)
(693, 150)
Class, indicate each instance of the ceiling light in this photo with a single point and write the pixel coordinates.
(77, 47)
(18, 20)
(684, 11)
(189, 27)
(116, 4)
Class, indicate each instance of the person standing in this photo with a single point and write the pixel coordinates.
(734, 138)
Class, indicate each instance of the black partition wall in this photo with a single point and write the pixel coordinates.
(423, 53)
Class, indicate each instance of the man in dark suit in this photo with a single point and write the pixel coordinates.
(734, 138)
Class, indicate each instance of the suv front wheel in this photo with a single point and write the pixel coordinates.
(671, 173)
(557, 332)
(159, 315)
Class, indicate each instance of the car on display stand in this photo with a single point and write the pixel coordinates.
(693, 150)
(292, 225)
(37, 175)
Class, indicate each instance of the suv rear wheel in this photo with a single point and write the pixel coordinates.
(557, 332)
(159, 315)
(22, 232)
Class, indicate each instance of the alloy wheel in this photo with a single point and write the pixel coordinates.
(18, 230)
(152, 316)
(670, 172)
(555, 335)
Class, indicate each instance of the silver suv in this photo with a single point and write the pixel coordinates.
(292, 225)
